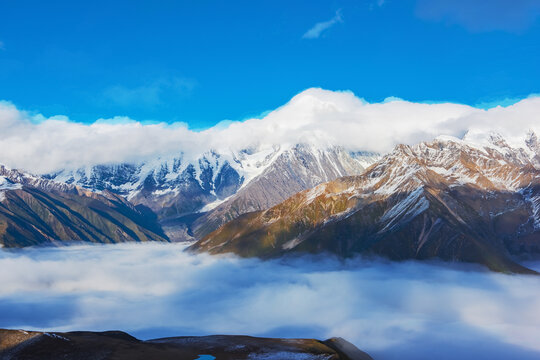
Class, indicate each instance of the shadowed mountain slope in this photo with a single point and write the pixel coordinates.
(35, 211)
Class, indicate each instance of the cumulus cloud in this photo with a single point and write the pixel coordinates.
(320, 27)
(39, 144)
(403, 310)
(482, 15)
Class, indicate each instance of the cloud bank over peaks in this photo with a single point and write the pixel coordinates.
(316, 116)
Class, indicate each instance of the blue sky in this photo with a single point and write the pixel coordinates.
(205, 61)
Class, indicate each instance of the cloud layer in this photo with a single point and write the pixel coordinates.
(38, 144)
(393, 310)
(317, 29)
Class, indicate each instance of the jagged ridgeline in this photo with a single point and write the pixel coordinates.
(36, 211)
(458, 200)
(189, 199)
(446, 199)
(194, 197)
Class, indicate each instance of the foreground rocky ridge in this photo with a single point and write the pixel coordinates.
(447, 199)
(19, 344)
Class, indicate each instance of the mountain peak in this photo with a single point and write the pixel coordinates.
(445, 198)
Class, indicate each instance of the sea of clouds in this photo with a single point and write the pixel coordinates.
(407, 310)
(314, 115)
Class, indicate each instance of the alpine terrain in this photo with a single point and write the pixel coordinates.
(221, 186)
(457, 200)
(34, 210)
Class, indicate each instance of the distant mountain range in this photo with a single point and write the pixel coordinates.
(221, 185)
(475, 200)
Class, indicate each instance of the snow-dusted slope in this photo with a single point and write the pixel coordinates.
(7, 185)
(448, 198)
(12, 179)
(293, 170)
(173, 186)
(176, 186)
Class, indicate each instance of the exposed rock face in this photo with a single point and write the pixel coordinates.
(294, 170)
(225, 185)
(34, 211)
(29, 345)
(448, 199)
(170, 187)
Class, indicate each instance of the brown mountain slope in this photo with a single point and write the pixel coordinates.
(294, 170)
(443, 199)
(36, 211)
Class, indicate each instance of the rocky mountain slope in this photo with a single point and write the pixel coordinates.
(224, 185)
(34, 210)
(451, 199)
(299, 168)
(19, 344)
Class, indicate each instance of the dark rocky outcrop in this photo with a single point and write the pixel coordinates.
(82, 345)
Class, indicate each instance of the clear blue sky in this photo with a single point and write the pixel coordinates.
(204, 61)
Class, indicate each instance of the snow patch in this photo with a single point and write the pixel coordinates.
(413, 205)
(314, 193)
(213, 205)
(6, 184)
(280, 355)
(56, 336)
(291, 244)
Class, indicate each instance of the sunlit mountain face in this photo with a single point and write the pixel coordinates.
(243, 180)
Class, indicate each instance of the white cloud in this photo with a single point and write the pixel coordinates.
(320, 27)
(406, 310)
(40, 144)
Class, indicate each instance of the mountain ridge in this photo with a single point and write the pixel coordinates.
(20, 344)
(36, 211)
(224, 185)
(447, 186)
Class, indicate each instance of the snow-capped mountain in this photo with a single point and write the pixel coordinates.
(226, 184)
(299, 168)
(11, 179)
(449, 198)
